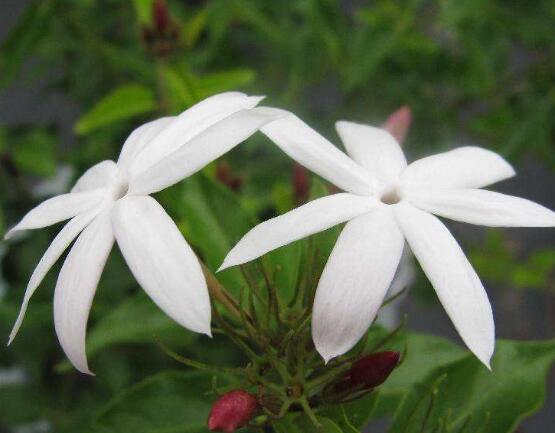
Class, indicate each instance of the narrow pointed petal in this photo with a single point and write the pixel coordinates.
(57, 209)
(310, 149)
(162, 261)
(486, 208)
(139, 139)
(355, 280)
(311, 218)
(204, 148)
(52, 254)
(464, 167)
(405, 273)
(373, 148)
(76, 287)
(457, 285)
(189, 124)
(398, 123)
(97, 177)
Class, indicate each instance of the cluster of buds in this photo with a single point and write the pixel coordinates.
(162, 35)
(235, 409)
(284, 373)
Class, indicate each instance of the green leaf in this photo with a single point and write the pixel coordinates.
(35, 153)
(193, 28)
(143, 9)
(180, 93)
(465, 393)
(26, 35)
(168, 402)
(122, 103)
(213, 220)
(210, 84)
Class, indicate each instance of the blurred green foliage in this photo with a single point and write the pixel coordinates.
(480, 70)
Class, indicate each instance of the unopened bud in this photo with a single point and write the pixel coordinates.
(301, 184)
(398, 123)
(225, 175)
(161, 15)
(372, 370)
(232, 411)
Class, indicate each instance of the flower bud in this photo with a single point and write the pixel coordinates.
(372, 370)
(161, 16)
(398, 123)
(225, 176)
(232, 411)
(301, 184)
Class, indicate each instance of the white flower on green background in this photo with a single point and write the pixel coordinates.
(387, 202)
(111, 202)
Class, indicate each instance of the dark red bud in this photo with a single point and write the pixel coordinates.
(232, 411)
(398, 123)
(225, 175)
(372, 370)
(161, 15)
(301, 183)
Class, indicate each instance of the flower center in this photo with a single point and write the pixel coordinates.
(391, 196)
(120, 190)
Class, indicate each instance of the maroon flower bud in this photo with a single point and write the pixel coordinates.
(225, 176)
(232, 411)
(372, 370)
(398, 123)
(161, 16)
(301, 183)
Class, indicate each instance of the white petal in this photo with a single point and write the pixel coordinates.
(309, 148)
(404, 275)
(487, 208)
(162, 261)
(313, 217)
(204, 148)
(373, 148)
(355, 280)
(458, 287)
(52, 254)
(139, 139)
(59, 208)
(191, 123)
(464, 167)
(76, 287)
(97, 177)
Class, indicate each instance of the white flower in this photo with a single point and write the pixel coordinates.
(387, 201)
(111, 202)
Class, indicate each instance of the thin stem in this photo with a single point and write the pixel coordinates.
(390, 336)
(195, 364)
(309, 412)
(218, 292)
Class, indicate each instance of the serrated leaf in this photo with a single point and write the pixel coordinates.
(122, 103)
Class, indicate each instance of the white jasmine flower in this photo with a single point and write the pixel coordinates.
(387, 201)
(111, 202)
